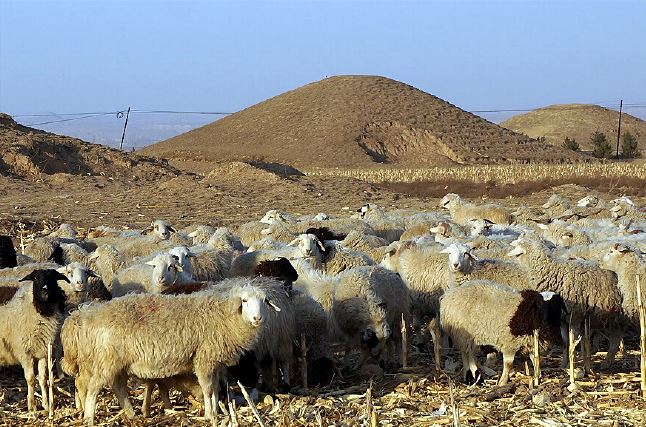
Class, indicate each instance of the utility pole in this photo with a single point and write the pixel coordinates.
(621, 105)
(123, 135)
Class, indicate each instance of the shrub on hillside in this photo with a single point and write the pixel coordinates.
(629, 148)
(601, 146)
(571, 144)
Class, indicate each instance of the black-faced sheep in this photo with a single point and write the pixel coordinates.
(7, 253)
(31, 317)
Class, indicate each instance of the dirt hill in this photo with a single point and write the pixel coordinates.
(357, 121)
(31, 153)
(578, 121)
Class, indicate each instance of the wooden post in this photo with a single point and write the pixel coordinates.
(304, 360)
(50, 380)
(621, 106)
(123, 135)
(537, 360)
(404, 343)
(642, 336)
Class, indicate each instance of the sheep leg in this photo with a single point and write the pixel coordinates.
(565, 337)
(89, 409)
(614, 341)
(81, 391)
(42, 382)
(206, 381)
(472, 374)
(30, 377)
(507, 364)
(286, 379)
(120, 388)
(164, 394)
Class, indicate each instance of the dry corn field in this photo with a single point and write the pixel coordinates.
(500, 174)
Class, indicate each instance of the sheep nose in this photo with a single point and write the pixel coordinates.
(456, 265)
(257, 319)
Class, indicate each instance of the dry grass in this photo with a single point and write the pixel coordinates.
(499, 174)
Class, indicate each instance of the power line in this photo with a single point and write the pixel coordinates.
(215, 113)
(75, 118)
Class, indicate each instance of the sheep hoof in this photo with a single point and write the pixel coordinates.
(470, 379)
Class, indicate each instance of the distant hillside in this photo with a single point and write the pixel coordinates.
(355, 121)
(31, 153)
(577, 121)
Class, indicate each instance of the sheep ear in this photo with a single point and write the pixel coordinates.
(27, 278)
(190, 255)
(172, 230)
(63, 270)
(265, 231)
(320, 245)
(542, 226)
(623, 248)
(293, 242)
(567, 235)
(151, 262)
(445, 251)
(475, 258)
(91, 273)
(147, 230)
(178, 268)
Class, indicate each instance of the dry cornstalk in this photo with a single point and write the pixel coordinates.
(252, 405)
(404, 343)
(455, 414)
(371, 415)
(537, 360)
(642, 336)
(571, 348)
(232, 414)
(50, 380)
(304, 360)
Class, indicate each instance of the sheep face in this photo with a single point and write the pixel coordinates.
(450, 200)
(78, 276)
(391, 255)
(460, 257)
(616, 256)
(588, 202)
(442, 229)
(275, 217)
(538, 311)
(161, 229)
(555, 200)
(308, 245)
(164, 272)
(46, 292)
(480, 227)
(183, 254)
(254, 305)
(321, 217)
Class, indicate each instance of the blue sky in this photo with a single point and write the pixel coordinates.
(76, 56)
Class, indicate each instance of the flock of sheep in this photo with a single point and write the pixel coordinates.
(191, 309)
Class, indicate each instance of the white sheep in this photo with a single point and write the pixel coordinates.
(199, 333)
(628, 263)
(485, 313)
(152, 276)
(462, 211)
(356, 315)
